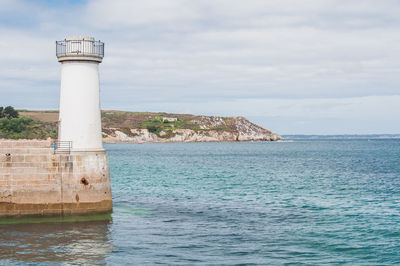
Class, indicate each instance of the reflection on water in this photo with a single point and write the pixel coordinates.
(81, 242)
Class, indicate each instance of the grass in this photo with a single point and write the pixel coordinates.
(157, 126)
(43, 124)
(26, 128)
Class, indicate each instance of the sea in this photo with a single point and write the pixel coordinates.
(263, 203)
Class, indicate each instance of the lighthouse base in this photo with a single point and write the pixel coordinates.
(34, 180)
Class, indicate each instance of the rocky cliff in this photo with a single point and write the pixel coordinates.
(204, 129)
(135, 127)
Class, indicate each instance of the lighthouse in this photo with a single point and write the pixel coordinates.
(43, 177)
(80, 115)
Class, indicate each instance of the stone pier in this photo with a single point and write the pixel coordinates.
(36, 180)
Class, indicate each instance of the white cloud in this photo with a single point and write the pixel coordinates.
(122, 13)
(215, 55)
(371, 114)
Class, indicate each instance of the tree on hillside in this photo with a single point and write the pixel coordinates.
(9, 112)
(1, 112)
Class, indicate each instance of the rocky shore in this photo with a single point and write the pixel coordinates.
(210, 129)
(140, 127)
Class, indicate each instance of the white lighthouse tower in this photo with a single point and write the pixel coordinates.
(80, 115)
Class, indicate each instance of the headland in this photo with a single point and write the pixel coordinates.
(136, 127)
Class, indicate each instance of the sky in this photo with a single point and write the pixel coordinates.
(294, 67)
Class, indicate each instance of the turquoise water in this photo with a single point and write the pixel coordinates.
(312, 202)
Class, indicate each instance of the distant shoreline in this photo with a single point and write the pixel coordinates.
(341, 137)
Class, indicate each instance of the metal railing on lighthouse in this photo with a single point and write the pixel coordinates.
(79, 47)
(62, 146)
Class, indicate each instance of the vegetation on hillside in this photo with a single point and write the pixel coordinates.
(43, 124)
(14, 126)
(156, 123)
(8, 112)
(160, 125)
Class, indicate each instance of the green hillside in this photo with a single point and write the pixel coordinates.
(16, 126)
(26, 124)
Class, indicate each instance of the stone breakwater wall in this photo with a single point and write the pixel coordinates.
(34, 180)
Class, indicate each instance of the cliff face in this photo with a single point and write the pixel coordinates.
(208, 129)
(121, 126)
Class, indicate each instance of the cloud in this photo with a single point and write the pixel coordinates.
(317, 49)
(228, 57)
(370, 114)
(121, 13)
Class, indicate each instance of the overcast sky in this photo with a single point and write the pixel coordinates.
(292, 66)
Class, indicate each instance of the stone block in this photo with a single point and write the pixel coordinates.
(5, 176)
(17, 158)
(5, 157)
(5, 144)
(19, 165)
(44, 151)
(36, 158)
(5, 170)
(4, 183)
(19, 151)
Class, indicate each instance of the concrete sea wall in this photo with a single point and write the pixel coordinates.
(34, 180)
